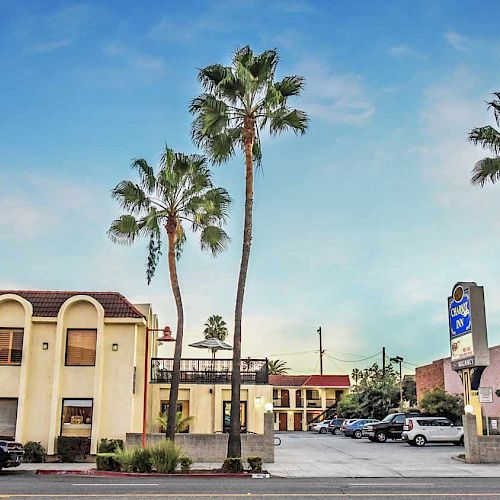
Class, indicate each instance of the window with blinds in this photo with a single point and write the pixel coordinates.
(80, 347)
(11, 346)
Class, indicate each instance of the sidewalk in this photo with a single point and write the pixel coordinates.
(88, 466)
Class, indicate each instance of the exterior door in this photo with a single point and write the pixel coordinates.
(283, 422)
(396, 427)
(297, 422)
(285, 398)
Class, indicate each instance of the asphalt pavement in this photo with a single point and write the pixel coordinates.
(26, 485)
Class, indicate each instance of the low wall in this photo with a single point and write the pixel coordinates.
(479, 449)
(213, 447)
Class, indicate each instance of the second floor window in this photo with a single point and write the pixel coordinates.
(11, 346)
(80, 347)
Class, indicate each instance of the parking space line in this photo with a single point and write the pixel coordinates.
(115, 484)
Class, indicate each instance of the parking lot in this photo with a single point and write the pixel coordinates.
(309, 454)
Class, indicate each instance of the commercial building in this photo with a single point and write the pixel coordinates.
(300, 399)
(75, 364)
(440, 374)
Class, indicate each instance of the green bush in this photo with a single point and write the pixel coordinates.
(107, 461)
(440, 404)
(109, 445)
(165, 456)
(255, 464)
(34, 452)
(134, 459)
(185, 463)
(232, 465)
(70, 449)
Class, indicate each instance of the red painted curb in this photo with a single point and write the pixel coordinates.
(102, 473)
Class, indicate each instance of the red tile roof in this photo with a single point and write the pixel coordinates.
(48, 303)
(310, 380)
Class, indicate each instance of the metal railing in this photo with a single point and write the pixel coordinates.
(209, 371)
(281, 403)
(313, 403)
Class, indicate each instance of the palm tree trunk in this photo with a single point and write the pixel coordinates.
(176, 371)
(234, 442)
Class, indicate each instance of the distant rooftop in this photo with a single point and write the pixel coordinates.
(310, 380)
(48, 303)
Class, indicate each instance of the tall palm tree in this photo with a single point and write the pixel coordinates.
(180, 192)
(277, 367)
(215, 328)
(488, 169)
(238, 102)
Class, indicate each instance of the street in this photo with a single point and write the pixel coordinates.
(26, 485)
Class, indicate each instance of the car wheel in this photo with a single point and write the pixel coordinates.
(459, 442)
(358, 434)
(419, 441)
(381, 437)
(322, 430)
(336, 431)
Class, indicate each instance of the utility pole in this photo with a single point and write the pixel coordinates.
(383, 363)
(321, 352)
(399, 359)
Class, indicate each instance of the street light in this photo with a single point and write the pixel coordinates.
(399, 359)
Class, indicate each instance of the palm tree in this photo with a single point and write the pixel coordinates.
(488, 169)
(356, 375)
(180, 192)
(277, 367)
(238, 102)
(215, 328)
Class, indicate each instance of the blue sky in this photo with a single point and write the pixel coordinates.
(362, 225)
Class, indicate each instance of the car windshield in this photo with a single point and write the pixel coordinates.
(388, 418)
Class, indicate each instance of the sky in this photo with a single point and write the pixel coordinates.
(362, 225)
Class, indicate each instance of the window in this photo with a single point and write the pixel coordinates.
(80, 347)
(399, 419)
(8, 418)
(11, 346)
(312, 394)
(227, 416)
(77, 417)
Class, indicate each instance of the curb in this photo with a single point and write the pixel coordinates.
(102, 473)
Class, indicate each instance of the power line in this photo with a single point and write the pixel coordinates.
(353, 360)
(292, 353)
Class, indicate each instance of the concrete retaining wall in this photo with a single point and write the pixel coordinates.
(480, 449)
(213, 447)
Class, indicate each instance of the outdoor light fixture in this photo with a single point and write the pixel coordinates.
(115, 347)
(469, 409)
(268, 407)
(166, 337)
(258, 400)
(45, 346)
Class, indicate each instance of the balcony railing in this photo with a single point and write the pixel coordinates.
(209, 371)
(314, 402)
(281, 403)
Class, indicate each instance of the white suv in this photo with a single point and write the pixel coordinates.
(421, 430)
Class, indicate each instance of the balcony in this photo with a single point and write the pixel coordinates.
(330, 402)
(281, 403)
(208, 371)
(313, 402)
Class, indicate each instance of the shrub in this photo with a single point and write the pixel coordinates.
(233, 465)
(70, 449)
(109, 445)
(107, 461)
(134, 459)
(440, 404)
(165, 456)
(34, 452)
(185, 463)
(255, 464)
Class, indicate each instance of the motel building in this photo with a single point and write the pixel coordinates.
(299, 400)
(76, 363)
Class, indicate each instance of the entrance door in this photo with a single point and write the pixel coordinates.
(297, 422)
(285, 398)
(283, 422)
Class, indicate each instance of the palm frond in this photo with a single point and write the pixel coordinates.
(290, 86)
(487, 137)
(130, 196)
(215, 239)
(124, 230)
(284, 119)
(495, 104)
(146, 174)
(486, 170)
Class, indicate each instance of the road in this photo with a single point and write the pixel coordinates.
(26, 485)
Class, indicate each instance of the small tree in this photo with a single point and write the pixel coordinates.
(348, 406)
(440, 404)
(410, 390)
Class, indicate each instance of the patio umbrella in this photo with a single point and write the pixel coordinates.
(213, 344)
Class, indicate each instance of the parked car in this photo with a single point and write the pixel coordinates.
(334, 426)
(347, 422)
(321, 427)
(391, 427)
(355, 429)
(421, 430)
(11, 454)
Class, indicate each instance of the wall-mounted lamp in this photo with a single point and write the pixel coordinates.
(45, 346)
(469, 409)
(268, 407)
(258, 400)
(115, 347)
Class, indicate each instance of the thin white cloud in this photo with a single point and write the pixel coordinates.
(457, 41)
(335, 97)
